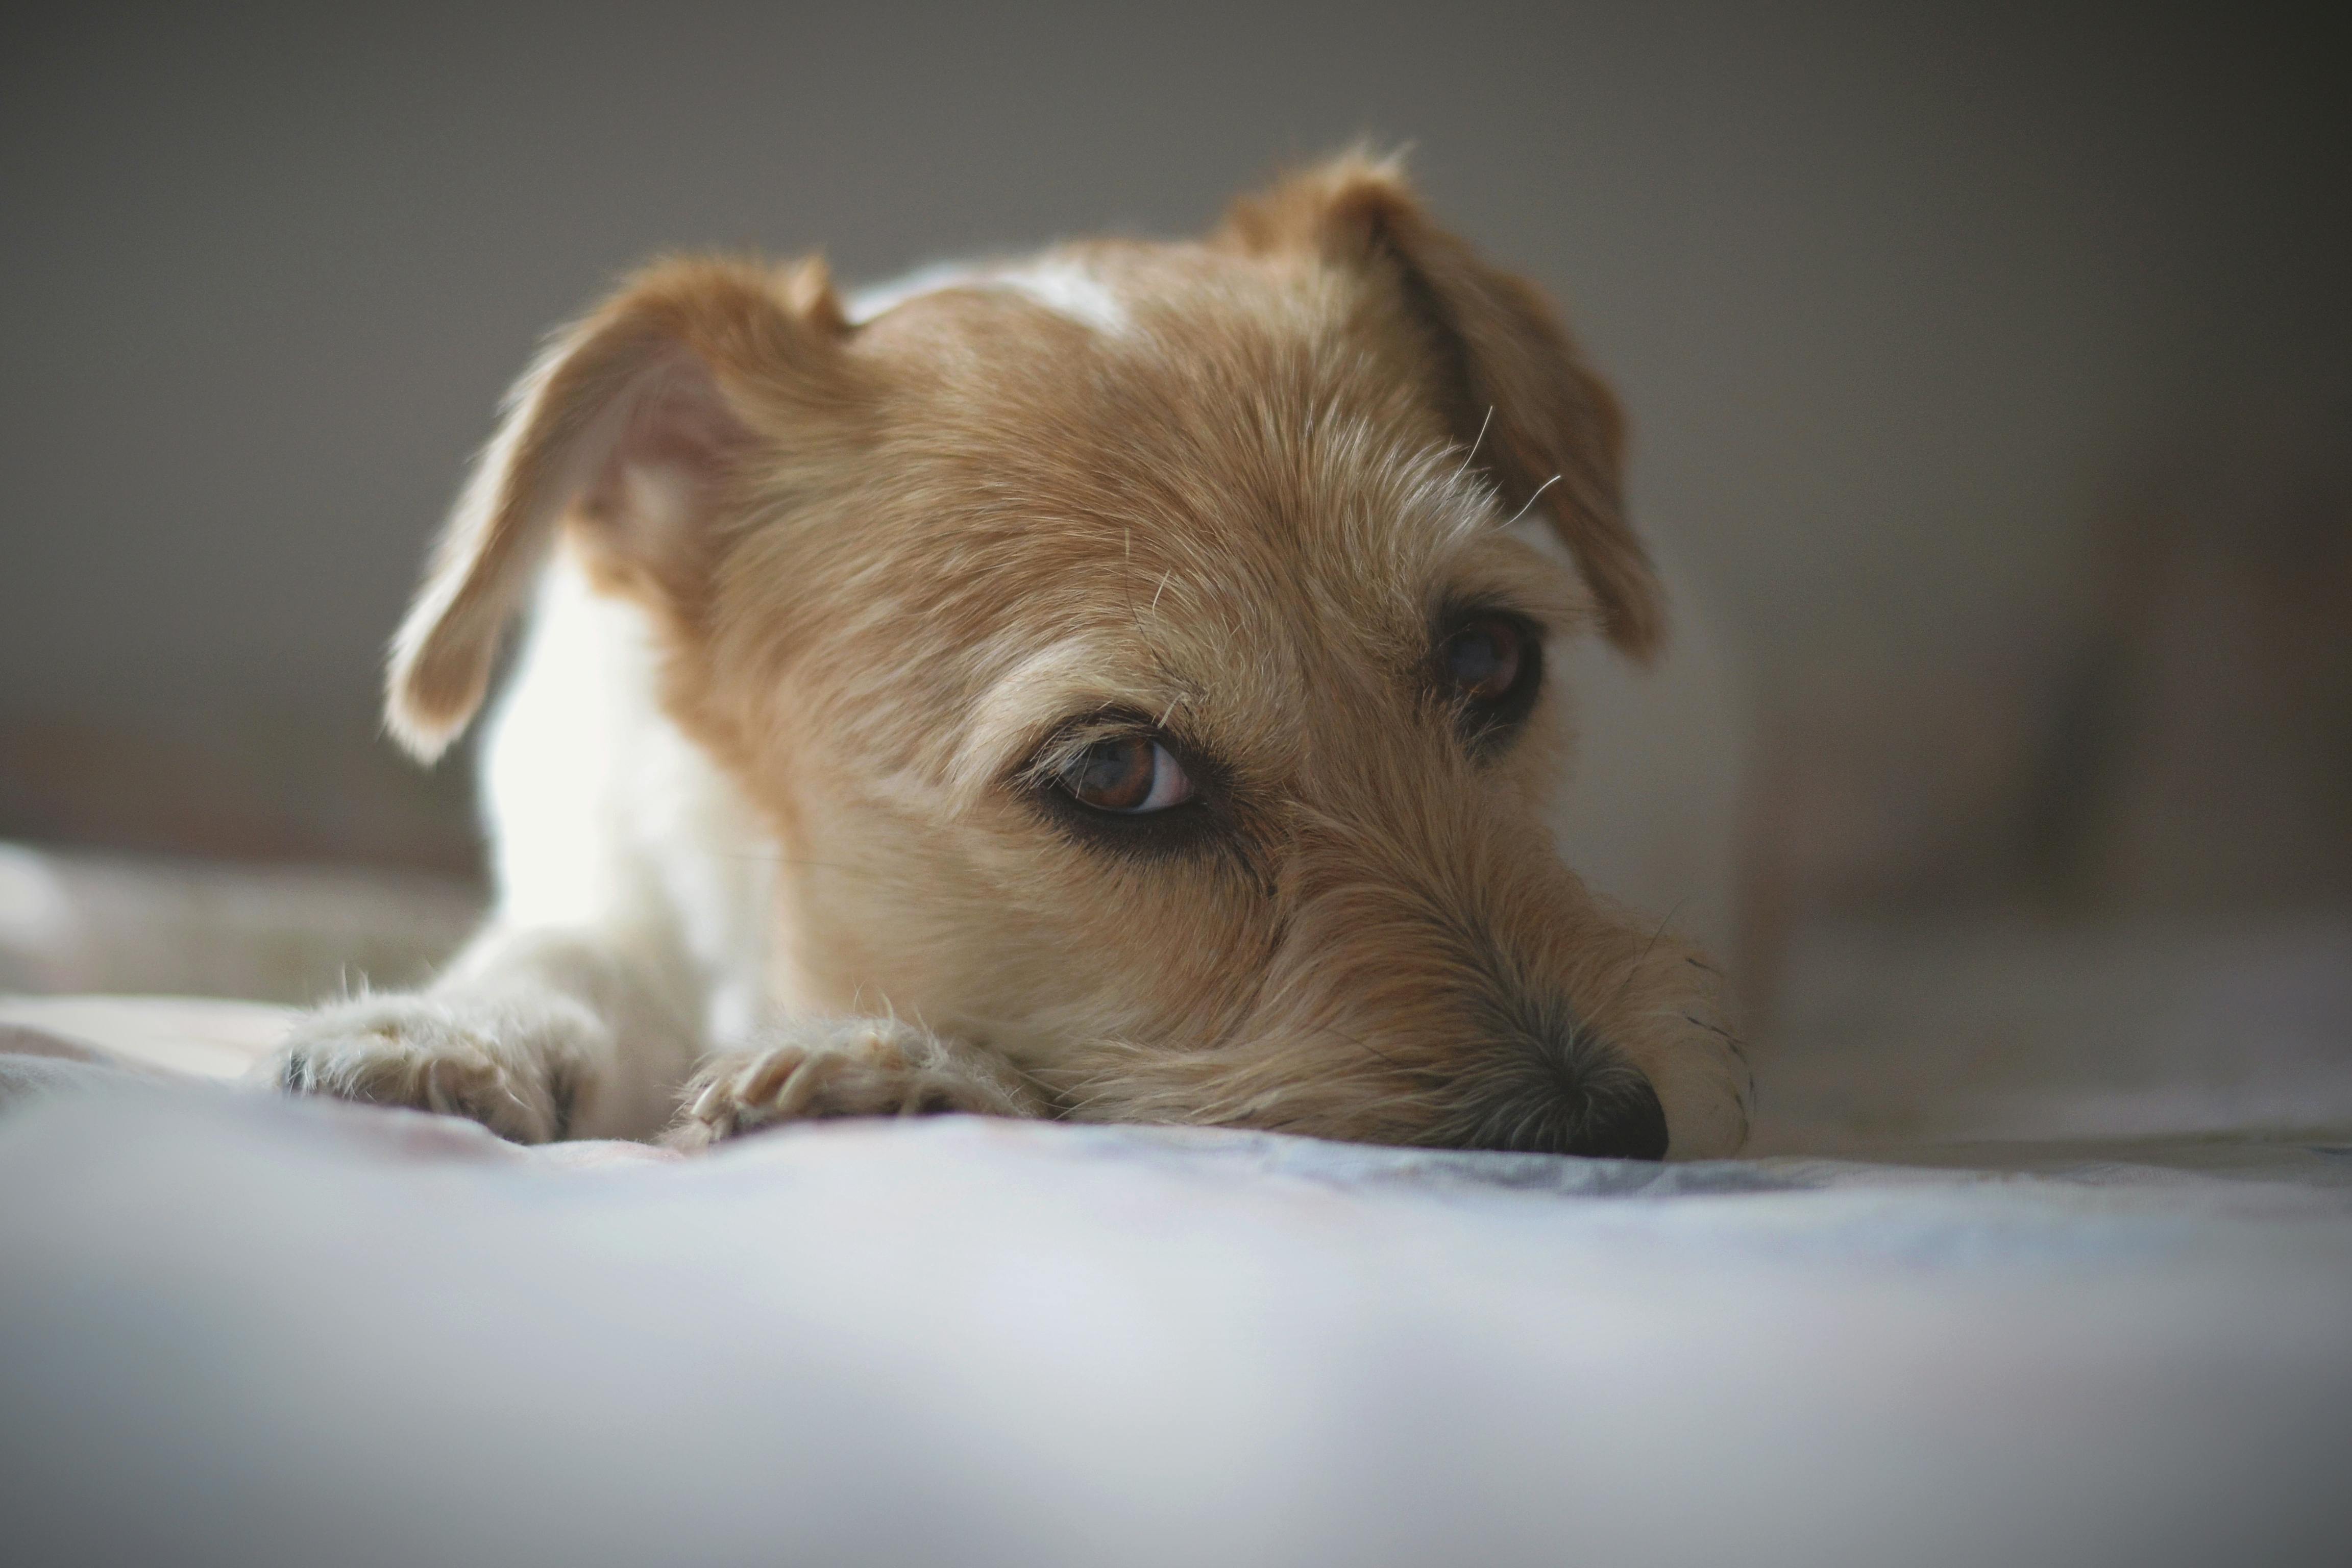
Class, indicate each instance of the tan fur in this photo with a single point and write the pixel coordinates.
(889, 562)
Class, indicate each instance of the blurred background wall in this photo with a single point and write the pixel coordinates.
(1990, 367)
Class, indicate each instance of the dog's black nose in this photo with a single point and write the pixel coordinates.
(1625, 1122)
(1562, 1091)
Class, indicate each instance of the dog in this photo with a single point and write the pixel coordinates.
(1116, 685)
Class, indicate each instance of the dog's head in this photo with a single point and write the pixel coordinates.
(1136, 660)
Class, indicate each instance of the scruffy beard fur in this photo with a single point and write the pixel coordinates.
(881, 572)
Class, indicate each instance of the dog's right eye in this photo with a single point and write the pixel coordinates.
(1129, 774)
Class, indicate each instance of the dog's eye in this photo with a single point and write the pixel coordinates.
(1482, 659)
(1490, 666)
(1129, 775)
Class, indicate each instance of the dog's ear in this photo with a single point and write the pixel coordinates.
(632, 423)
(1512, 381)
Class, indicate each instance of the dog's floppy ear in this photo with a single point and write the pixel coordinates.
(1513, 382)
(631, 422)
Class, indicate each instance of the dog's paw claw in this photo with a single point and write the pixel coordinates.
(838, 1068)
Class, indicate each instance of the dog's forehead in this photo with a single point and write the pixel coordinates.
(1217, 354)
(1209, 429)
(1084, 285)
(1214, 491)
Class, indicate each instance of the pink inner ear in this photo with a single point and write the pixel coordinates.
(671, 446)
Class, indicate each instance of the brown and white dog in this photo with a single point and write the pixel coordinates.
(1114, 686)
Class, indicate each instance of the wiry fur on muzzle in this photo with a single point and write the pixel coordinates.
(1439, 978)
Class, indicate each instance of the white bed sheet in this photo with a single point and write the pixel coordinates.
(240, 1331)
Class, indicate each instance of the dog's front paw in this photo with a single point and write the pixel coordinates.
(854, 1066)
(513, 1068)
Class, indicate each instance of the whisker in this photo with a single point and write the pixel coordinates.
(1633, 972)
(1364, 1046)
(1471, 455)
(1712, 1029)
(1531, 501)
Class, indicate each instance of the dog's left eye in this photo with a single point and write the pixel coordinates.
(1482, 659)
(1491, 664)
(1129, 774)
